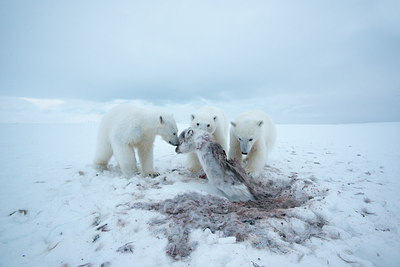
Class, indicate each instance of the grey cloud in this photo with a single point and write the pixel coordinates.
(174, 51)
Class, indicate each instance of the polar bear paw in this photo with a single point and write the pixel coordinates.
(152, 174)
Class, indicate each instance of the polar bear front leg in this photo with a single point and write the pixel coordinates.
(255, 161)
(145, 153)
(220, 138)
(194, 164)
(125, 156)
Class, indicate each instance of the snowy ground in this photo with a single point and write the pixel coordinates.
(57, 211)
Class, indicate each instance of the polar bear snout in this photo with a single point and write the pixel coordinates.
(174, 142)
(245, 147)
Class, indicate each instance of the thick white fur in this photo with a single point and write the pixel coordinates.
(252, 134)
(212, 120)
(126, 127)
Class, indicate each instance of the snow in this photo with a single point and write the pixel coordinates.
(57, 210)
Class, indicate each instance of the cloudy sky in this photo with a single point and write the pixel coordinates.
(300, 61)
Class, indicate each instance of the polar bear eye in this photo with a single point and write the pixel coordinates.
(251, 139)
(240, 139)
(174, 134)
(208, 125)
(198, 124)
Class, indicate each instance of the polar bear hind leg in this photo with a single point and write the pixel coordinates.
(103, 154)
(125, 156)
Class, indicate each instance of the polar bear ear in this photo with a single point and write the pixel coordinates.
(260, 123)
(215, 118)
(192, 117)
(162, 120)
(233, 124)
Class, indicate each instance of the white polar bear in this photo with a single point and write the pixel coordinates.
(252, 134)
(212, 120)
(126, 127)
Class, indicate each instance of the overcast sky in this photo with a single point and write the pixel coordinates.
(330, 60)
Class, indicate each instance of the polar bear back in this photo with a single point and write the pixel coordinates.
(129, 123)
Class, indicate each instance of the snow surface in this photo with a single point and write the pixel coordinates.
(56, 210)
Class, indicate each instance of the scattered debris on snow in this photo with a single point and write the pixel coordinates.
(258, 221)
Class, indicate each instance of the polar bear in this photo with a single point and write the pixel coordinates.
(252, 134)
(126, 127)
(212, 120)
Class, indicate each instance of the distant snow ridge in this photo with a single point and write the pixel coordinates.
(284, 217)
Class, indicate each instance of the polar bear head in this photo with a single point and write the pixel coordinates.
(203, 121)
(247, 133)
(168, 130)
